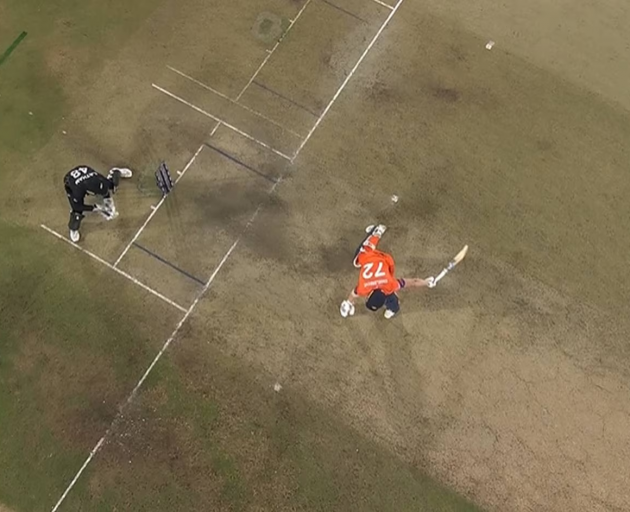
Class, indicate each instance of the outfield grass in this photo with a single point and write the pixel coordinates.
(209, 434)
(66, 363)
(67, 42)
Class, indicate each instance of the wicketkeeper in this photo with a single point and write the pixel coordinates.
(84, 180)
(376, 277)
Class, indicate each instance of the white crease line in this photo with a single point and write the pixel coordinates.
(159, 355)
(383, 4)
(109, 265)
(156, 208)
(225, 97)
(345, 82)
(74, 480)
(227, 125)
(216, 127)
(270, 52)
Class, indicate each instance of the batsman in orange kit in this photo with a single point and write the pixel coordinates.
(377, 281)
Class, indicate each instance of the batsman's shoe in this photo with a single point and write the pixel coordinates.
(124, 172)
(370, 228)
(75, 236)
(346, 309)
(374, 235)
(379, 230)
(389, 314)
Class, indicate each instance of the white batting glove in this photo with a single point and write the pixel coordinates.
(346, 309)
(431, 282)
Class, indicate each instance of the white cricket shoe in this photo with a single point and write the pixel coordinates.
(124, 171)
(370, 228)
(75, 236)
(379, 230)
(389, 314)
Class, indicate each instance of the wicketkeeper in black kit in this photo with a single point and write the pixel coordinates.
(84, 180)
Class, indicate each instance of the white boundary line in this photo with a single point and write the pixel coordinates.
(345, 82)
(159, 355)
(218, 120)
(244, 107)
(383, 4)
(109, 265)
(275, 46)
(157, 207)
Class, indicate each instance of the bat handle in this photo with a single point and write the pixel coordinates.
(441, 275)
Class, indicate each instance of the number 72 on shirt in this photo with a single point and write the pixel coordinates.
(368, 272)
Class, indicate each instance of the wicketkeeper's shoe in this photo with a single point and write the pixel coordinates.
(124, 171)
(389, 314)
(75, 236)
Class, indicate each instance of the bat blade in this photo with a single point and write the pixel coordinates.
(457, 259)
(460, 255)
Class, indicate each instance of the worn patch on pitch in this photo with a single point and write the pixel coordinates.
(268, 27)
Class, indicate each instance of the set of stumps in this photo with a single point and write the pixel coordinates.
(163, 179)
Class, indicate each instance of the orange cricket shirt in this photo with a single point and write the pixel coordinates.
(376, 273)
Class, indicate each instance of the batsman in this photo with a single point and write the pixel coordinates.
(83, 181)
(376, 277)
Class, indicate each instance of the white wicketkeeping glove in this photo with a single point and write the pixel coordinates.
(106, 212)
(431, 282)
(346, 309)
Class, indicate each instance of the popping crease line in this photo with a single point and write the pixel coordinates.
(225, 97)
(224, 123)
(117, 270)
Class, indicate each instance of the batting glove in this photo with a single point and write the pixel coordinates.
(346, 309)
(431, 282)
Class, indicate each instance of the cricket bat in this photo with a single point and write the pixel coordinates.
(453, 263)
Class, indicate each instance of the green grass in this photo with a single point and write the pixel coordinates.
(210, 436)
(32, 98)
(56, 317)
(66, 361)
